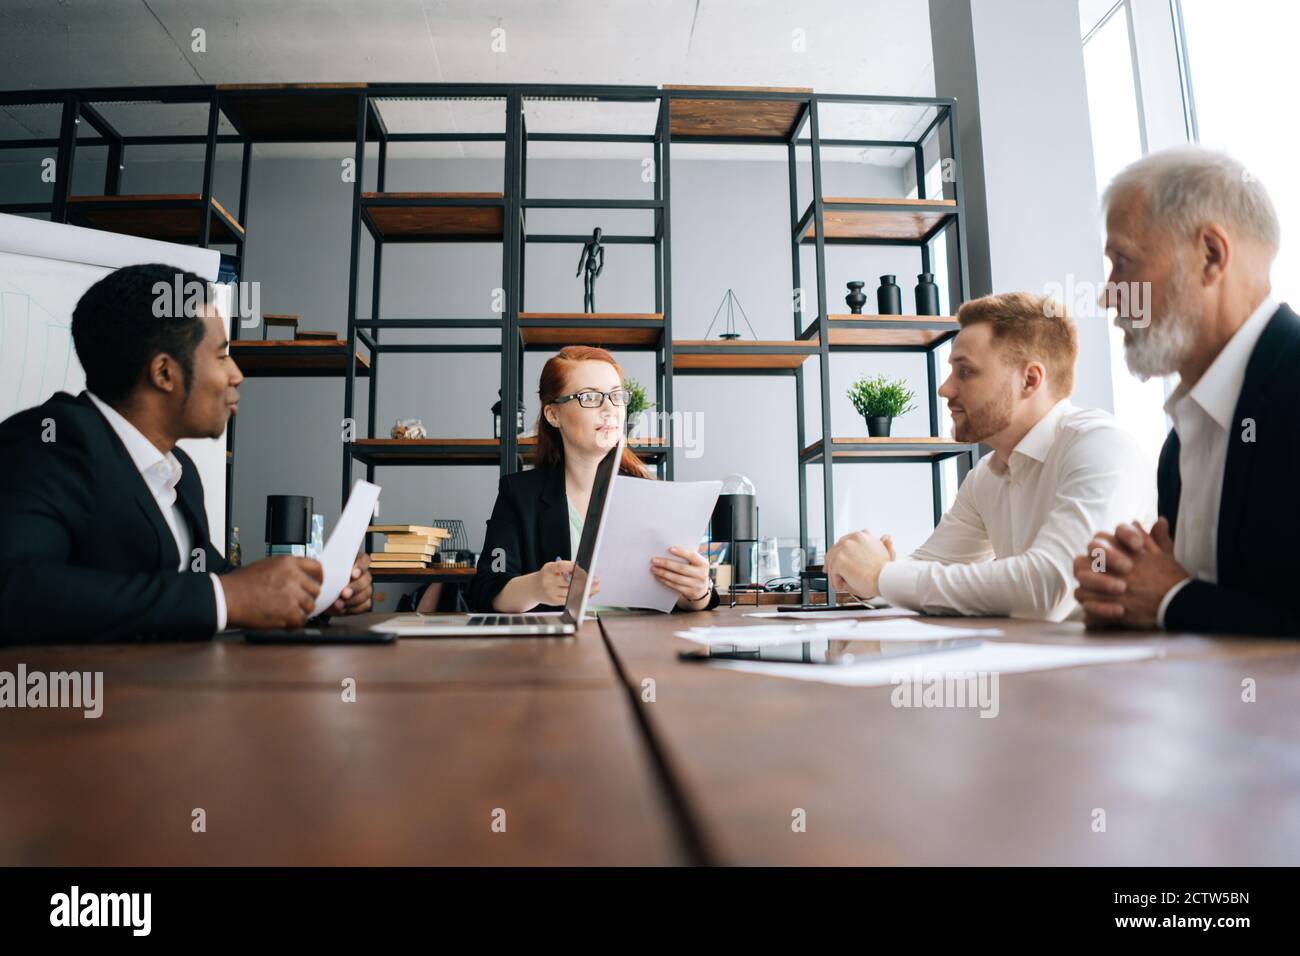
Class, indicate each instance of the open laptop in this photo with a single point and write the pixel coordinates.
(532, 622)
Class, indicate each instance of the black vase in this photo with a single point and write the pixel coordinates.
(927, 295)
(889, 297)
(878, 426)
(856, 298)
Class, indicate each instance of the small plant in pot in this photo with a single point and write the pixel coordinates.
(636, 403)
(880, 400)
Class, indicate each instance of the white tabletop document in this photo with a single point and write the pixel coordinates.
(645, 519)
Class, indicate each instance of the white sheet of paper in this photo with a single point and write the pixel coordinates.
(340, 551)
(645, 519)
(830, 615)
(990, 658)
(903, 629)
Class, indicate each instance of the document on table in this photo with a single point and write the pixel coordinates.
(903, 629)
(340, 551)
(643, 520)
(989, 658)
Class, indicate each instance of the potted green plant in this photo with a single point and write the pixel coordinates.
(636, 403)
(880, 400)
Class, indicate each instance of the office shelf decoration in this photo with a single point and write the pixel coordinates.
(638, 402)
(592, 261)
(409, 428)
(856, 298)
(927, 294)
(880, 400)
(496, 417)
(732, 305)
(889, 297)
(455, 552)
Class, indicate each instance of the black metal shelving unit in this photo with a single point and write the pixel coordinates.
(779, 117)
(343, 113)
(879, 221)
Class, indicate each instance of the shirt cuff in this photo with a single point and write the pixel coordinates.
(219, 593)
(899, 583)
(1165, 601)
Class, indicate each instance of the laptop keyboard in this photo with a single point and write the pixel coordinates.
(486, 620)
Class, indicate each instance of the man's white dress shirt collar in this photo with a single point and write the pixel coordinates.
(1036, 443)
(1219, 388)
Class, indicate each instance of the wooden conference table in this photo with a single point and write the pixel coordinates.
(547, 751)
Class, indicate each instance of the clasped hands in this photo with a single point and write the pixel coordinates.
(1125, 576)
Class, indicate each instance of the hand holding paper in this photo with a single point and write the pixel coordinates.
(344, 542)
(644, 520)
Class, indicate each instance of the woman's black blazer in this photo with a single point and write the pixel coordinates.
(529, 526)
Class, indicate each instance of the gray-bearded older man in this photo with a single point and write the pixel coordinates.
(1225, 552)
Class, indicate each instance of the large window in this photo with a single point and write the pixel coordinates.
(1118, 138)
(1161, 72)
(1243, 89)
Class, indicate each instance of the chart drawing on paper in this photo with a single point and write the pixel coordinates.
(37, 358)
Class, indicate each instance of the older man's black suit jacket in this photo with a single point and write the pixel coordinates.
(1258, 587)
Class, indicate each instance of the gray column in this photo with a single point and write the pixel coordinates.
(1016, 70)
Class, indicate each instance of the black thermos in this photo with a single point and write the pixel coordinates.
(288, 522)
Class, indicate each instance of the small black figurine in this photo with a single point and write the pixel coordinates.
(593, 256)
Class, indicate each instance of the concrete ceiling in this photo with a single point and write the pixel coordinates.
(849, 46)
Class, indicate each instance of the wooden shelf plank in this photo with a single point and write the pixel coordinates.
(612, 329)
(740, 354)
(890, 331)
(902, 220)
(427, 450)
(868, 448)
(315, 112)
(429, 575)
(699, 117)
(170, 217)
(299, 358)
(428, 217)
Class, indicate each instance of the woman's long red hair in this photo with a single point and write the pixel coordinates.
(553, 384)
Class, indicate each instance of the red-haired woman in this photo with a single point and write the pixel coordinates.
(537, 521)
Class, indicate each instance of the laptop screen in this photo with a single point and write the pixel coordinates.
(576, 600)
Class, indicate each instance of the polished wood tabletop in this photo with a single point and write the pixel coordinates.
(1185, 770)
(538, 751)
(455, 751)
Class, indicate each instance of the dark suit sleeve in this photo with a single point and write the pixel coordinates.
(501, 559)
(1207, 608)
(46, 500)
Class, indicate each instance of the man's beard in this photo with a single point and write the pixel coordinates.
(1161, 347)
(985, 421)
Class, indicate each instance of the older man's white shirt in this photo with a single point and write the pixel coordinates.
(1202, 417)
(1007, 546)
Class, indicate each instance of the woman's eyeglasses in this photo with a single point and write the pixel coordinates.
(591, 398)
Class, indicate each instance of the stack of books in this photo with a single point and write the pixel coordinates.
(406, 546)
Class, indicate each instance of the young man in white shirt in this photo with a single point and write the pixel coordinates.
(1057, 473)
(1201, 232)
